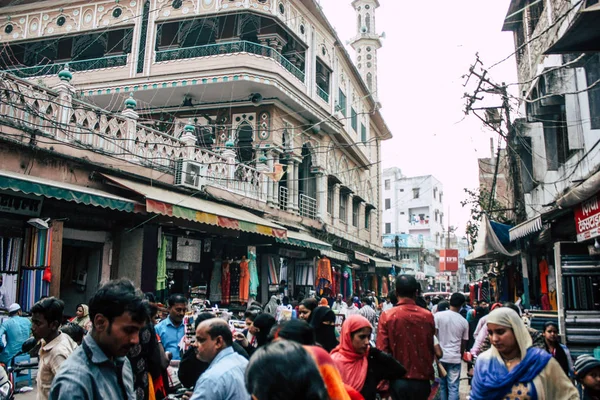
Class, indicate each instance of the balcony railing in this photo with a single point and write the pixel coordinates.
(308, 206)
(81, 65)
(283, 197)
(240, 46)
(323, 94)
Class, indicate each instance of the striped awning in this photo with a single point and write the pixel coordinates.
(186, 206)
(304, 239)
(525, 228)
(336, 255)
(380, 262)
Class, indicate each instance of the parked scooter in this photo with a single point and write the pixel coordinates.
(8, 373)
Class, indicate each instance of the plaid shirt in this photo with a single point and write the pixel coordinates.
(370, 314)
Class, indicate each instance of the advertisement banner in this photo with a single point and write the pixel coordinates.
(449, 260)
(20, 203)
(587, 219)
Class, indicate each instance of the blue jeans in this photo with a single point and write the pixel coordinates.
(450, 384)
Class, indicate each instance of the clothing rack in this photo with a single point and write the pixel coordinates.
(10, 254)
(33, 287)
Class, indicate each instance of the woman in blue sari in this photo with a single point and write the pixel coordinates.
(513, 369)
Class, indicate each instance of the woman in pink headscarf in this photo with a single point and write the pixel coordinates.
(363, 367)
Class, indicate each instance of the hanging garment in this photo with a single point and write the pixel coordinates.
(485, 291)
(324, 278)
(543, 267)
(225, 282)
(244, 281)
(546, 302)
(234, 270)
(273, 264)
(161, 266)
(472, 292)
(347, 282)
(283, 270)
(215, 282)
(384, 286)
(305, 273)
(254, 279)
(552, 298)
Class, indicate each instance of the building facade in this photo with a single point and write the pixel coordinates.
(232, 130)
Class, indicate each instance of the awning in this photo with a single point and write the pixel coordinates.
(181, 205)
(580, 193)
(335, 255)
(304, 239)
(358, 256)
(488, 246)
(583, 36)
(63, 191)
(380, 262)
(525, 228)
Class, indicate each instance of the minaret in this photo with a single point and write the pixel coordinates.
(366, 42)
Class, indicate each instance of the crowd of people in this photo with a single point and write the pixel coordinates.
(405, 347)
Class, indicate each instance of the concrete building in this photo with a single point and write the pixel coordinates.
(229, 129)
(503, 193)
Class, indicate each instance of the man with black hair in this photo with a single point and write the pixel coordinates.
(367, 311)
(98, 369)
(406, 332)
(224, 378)
(453, 333)
(190, 367)
(171, 330)
(17, 330)
(55, 346)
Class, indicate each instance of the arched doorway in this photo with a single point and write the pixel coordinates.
(245, 138)
(307, 185)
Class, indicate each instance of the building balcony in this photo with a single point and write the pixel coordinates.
(308, 206)
(323, 94)
(240, 46)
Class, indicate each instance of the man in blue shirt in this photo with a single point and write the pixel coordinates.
(98, 369)
(17, 330)
(171, 330)
(224, 378)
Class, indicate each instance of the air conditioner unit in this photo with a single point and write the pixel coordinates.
(190, 174)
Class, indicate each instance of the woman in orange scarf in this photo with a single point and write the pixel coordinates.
(363, 367)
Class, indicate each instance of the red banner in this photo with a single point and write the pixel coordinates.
(587, 219)
(448, 260)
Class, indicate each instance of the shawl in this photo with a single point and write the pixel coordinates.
(324, 334)
(329, 373)
(85, 320)
(492, 380)
(353, 366)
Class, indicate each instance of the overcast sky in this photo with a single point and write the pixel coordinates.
(428, 47)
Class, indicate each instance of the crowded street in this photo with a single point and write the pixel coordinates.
(299, 200)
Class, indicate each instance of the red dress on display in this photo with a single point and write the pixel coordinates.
(244, 280)
(225, 282)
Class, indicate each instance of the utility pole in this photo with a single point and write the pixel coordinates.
(486, 86)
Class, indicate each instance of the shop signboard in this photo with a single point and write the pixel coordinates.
(449, 260)
(19, 203)
(362, 257)
(587, 219)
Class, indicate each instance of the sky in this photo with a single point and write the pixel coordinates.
(428, 47)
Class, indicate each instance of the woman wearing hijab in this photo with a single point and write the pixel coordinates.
(323, 321)
(362, 367)
(271, 306)
(82, 317)
(260, 329)
(306, 308)
(558, 350)
(512, 368)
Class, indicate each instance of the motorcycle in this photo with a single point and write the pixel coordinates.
(8, 373)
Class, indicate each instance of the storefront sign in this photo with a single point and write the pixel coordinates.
(587, 219)
(449, 260)
(362, 257)
(292, 253)
(19, 203)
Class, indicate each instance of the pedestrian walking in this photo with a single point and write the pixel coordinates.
(388, 303)
(3, 294)
(368, 312)
(171, 330)
(271, 306)
(296, 330)
(363, 367)
(406, 332)
(82, 317)
(306, 307)
(334, 384)
(98, 369)
(513, 368)
(452, 330)
(587, 373)
(323, 322)
(261, 328)
(224, 378)
(351, 308)
(75, 332)
(17, 330)
(558, 350)
(339, 305)
(55, 346)
(284, 370)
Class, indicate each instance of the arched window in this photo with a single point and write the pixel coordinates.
(368, 22)
(244, 143)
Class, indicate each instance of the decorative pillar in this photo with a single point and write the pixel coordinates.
(265, 181)
(321, 195)
(270, 182)
(349, 208)
(290, 185)
(189, 139)
(229, 154)
(56, 257)
(335, 212)
(65, 97)
(362, 208)
(132, 117)
(275, 187)
(296, 202)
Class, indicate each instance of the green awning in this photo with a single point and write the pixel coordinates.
(63, 191)
(303, 239)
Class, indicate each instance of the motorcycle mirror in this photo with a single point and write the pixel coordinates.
(28, 345)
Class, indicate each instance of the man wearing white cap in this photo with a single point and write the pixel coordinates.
(17, 330)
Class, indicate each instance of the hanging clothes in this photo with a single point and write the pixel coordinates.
(225, 282)
(543, 267)
(552, 298)
(323, 278)
(485, 291)
(234, 290)
(254, 279)
(161, 265)
(244, 280)
(472, 292)
(384, 286)
(273, 264)
(346, 282)
(215, 282)
(33, 287)
(305, 273)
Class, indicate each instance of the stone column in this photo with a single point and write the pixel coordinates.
(349, 207)
(290, 185)
(335, 212)
(296, 186)
(361, 217)
(275, 188)
(321, 195)
(132, 117)
(189, 139)
(65, 98)
(262, 166)
(270, 182)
